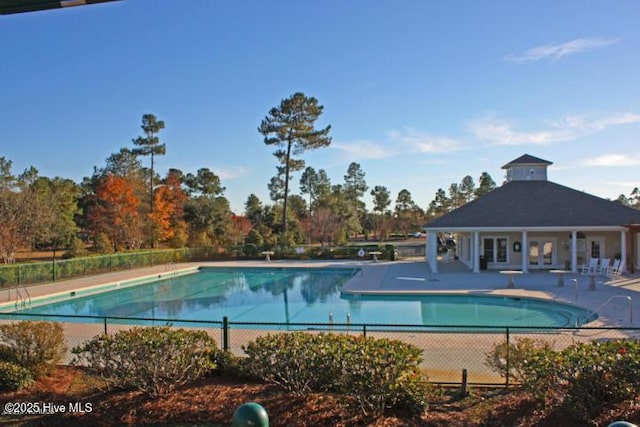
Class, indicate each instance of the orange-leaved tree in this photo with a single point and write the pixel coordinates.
(115, 212)
(240, 227)
(167, 216)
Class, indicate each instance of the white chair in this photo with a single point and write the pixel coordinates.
(603, 268)
(591, 267)
(616, 270)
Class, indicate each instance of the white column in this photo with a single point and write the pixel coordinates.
(623, 249)
(524, 250)
(574, 251)
(476, 252)
(432, 251)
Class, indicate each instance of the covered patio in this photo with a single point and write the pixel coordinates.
(530, 223)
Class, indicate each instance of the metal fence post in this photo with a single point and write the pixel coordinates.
(225, 333)
(364, 331)
(105, 326)
(508, 361)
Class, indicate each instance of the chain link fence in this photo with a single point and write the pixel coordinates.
(447, 350)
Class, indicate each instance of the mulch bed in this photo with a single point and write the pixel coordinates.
(213, 400)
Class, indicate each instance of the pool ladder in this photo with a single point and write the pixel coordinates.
(21, 301)
(628, 298)
(348, 324)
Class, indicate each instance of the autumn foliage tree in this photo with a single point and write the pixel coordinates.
(240, 228)
(115, 213)
(167, 216)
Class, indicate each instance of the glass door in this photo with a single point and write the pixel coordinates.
(595, 247)
(541, 252)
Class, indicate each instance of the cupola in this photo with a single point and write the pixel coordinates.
(527, 168)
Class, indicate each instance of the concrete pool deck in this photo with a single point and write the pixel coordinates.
(414, 277)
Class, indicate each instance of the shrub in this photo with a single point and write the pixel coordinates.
(377, 374)
(600, 373)
(250, 250)
(518, 351)
(36, 346)
(285, 359)
(224, 361)
(102, 244)
(76, 249)
(7, 354)
(586, 376)
(382, 373)
(14, 377)
(154, 360)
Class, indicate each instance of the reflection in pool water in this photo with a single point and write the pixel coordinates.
(307, 295)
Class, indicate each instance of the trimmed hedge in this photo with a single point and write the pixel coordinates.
(42, 272)
(154, 360)
(377, 374)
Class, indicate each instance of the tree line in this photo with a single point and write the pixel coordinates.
(126, 205)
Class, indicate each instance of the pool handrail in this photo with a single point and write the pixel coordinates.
(628, 298)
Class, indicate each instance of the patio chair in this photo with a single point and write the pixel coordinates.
(603, 268)
(615, 273)
(612, 267)
(591, 267)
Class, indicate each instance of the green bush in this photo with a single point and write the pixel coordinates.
(284, 359)
(377, 374)
(585, 376)
(14, 377)
(382, 373)
(518, 351)
(250, 250)
(36, 346)
(7, 354)
(76, 249)
(154, 360)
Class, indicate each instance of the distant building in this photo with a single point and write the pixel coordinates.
(532, 223)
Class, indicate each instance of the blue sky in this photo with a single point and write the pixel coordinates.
(420, 93)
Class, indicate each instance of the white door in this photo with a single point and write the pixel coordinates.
(542, 253)
(595, 247)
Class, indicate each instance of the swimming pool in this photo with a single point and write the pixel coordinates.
(305, 295)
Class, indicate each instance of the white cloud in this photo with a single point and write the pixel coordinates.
(502, 132)
(362, 149)
(230, 172)
(423, 142)
(558, 51)
(612, 160)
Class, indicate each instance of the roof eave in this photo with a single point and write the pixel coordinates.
(527, 228)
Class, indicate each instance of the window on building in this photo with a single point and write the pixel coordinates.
(496, 249)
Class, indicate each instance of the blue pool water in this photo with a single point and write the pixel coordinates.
(297, 295)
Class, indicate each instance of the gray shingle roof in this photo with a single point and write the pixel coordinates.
(538, 204)
(527, 159)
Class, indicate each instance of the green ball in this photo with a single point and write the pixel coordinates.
(250, 415)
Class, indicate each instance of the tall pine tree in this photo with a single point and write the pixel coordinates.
(290, 127)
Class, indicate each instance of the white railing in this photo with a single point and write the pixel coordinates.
(628, 298)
